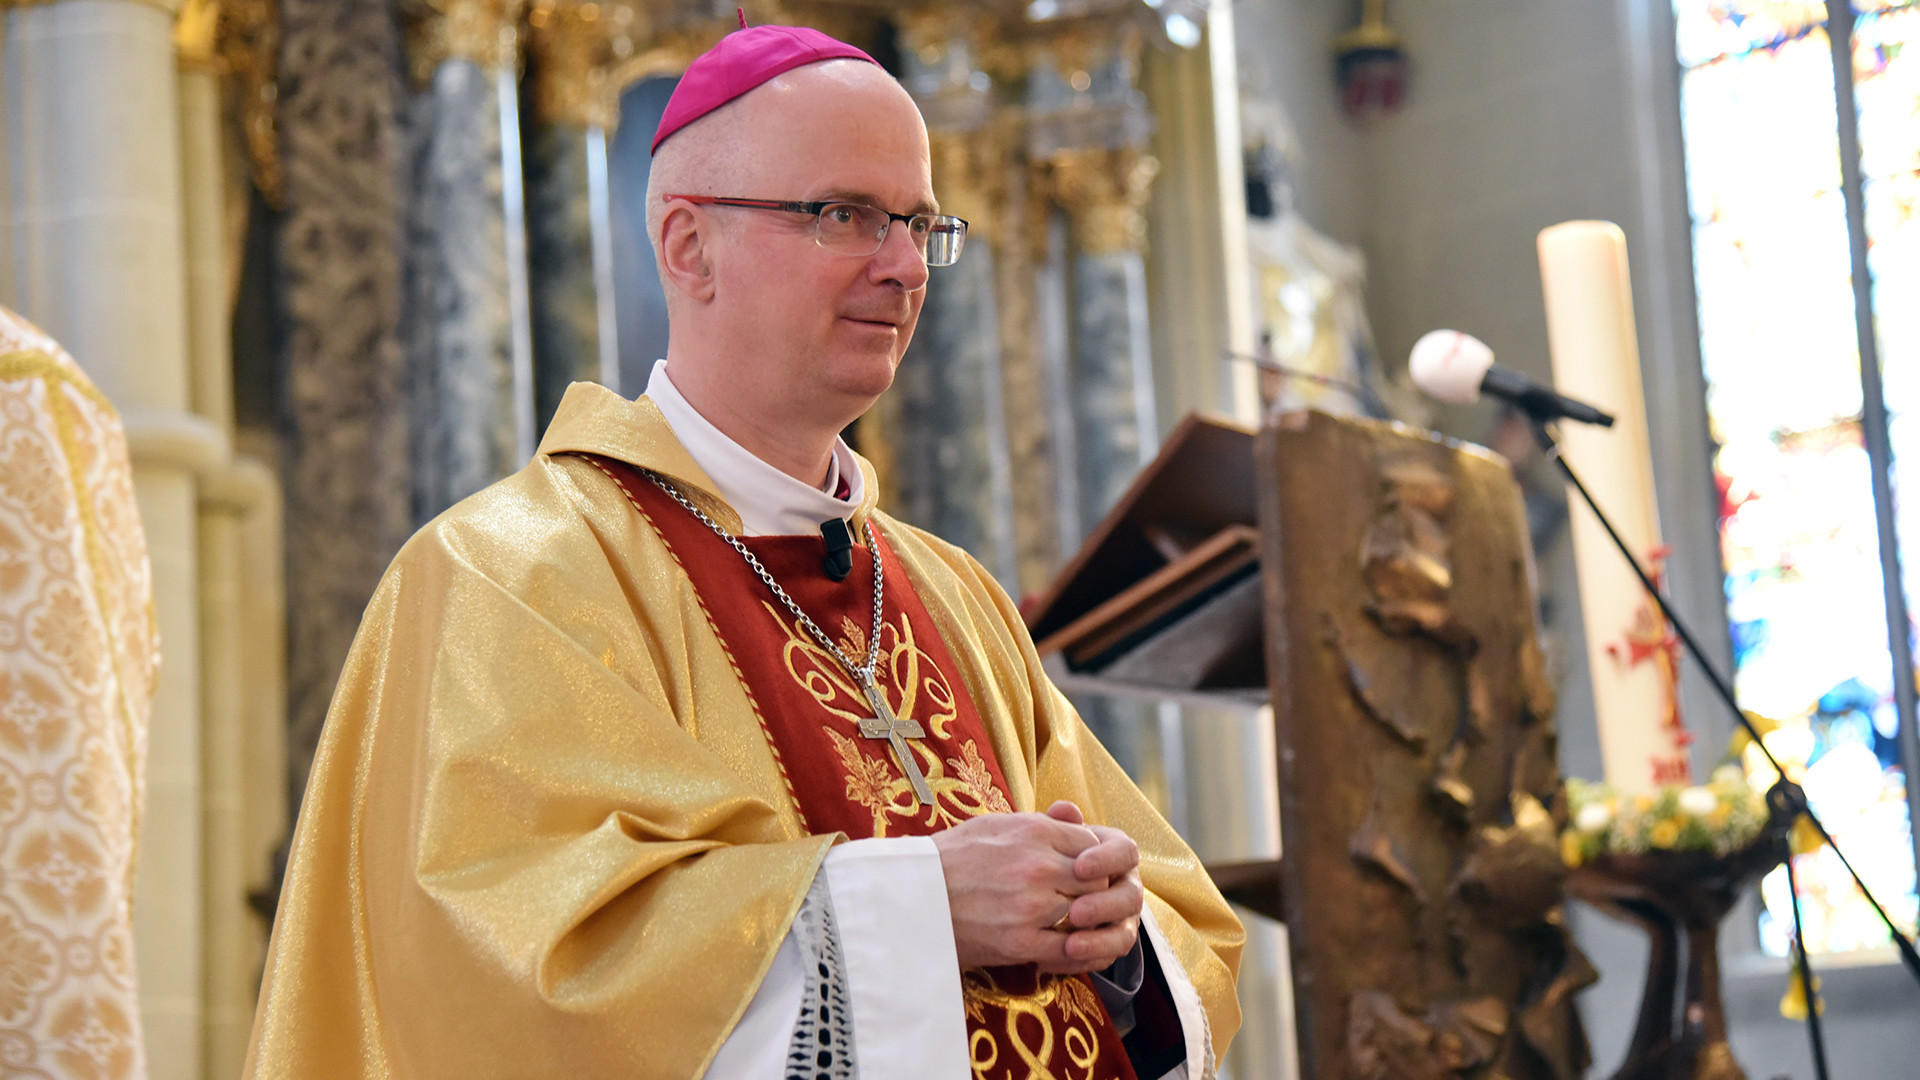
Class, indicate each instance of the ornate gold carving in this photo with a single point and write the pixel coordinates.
(667, 36)
(573, 47)
(932, 28)
(1087, 45)
(1105, 193)
(485, 32)
(168, 6)
(1007, 44)
(585, 53)
(668, 52)
(196, 36)
(969, 176)
(248, 39)
(855, 23)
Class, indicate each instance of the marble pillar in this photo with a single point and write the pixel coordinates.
(459, 325)
(566, 169)
(1115, 426)
(1031, 439)
(1053, 338)
(342, 364)
(946, 424)
(571, 100)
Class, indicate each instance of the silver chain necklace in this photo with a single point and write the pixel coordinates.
(883, 724)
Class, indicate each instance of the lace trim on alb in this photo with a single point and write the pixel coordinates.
(822, 1047)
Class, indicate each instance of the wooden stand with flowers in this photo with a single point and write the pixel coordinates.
(1674, 864)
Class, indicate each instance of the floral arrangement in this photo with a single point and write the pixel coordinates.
(1721, 816)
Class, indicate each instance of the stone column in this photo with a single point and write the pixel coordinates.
(572, 45)
(1088, 124)
(233, 938)
(468, 342)
(1032, 442)
(944, 423)
(1115, 426)
(348, 505)
(96, 252)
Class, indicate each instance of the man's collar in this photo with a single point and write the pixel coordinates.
(594, 420)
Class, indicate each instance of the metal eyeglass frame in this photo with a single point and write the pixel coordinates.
(953, 227)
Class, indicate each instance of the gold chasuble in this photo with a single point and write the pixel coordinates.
(582, 768)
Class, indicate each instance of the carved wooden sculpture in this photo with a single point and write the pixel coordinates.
(1419, 783)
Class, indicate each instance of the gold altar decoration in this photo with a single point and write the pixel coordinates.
(485, 32)
(1093, 34)
(1105, 194)
(667, 54)
(168, 6)
(925, 31)
(969, 177)
(248, 37)
(572, 47)
(196, 34)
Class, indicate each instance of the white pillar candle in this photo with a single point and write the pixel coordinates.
(1630, 649)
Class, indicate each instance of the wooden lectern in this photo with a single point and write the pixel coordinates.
(1374, 583)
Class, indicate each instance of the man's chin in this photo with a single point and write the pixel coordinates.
(860, 380)
(865, 363)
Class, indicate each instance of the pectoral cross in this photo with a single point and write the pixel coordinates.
(884, 725)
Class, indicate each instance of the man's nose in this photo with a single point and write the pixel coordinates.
(898, 260)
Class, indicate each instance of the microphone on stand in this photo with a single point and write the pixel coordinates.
(1458, 368)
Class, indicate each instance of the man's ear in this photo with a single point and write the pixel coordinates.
(686, 256)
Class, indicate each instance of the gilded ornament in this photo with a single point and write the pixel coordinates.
(168, 6)
(670, 45)
(247, 35)
(928, 30)
(857, 23)
(968, 170)
(1105, 192)
(485, 32)
(573, 48)
(196, 32)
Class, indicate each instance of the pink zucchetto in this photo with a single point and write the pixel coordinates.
(743, 60)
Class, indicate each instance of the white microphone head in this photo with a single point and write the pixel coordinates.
(1449, 365)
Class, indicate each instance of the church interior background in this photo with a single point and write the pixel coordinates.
(335, 260)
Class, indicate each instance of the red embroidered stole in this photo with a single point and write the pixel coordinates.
(1021, 1025)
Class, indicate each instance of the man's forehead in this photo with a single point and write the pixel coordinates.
(816, 133)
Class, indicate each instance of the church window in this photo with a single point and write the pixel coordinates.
(1814, 516)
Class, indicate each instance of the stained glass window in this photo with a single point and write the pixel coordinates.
(1779, 348)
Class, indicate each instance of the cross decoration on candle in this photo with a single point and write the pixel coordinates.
(1631, 652)
(1651, 640)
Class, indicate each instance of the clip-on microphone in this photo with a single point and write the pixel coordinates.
(839, 561)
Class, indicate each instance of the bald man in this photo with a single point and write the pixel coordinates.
(672, 755)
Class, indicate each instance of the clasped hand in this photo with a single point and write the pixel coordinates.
(1044, 889)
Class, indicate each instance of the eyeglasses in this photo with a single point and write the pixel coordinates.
(858, 229)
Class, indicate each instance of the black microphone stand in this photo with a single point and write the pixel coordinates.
(1786, 799)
